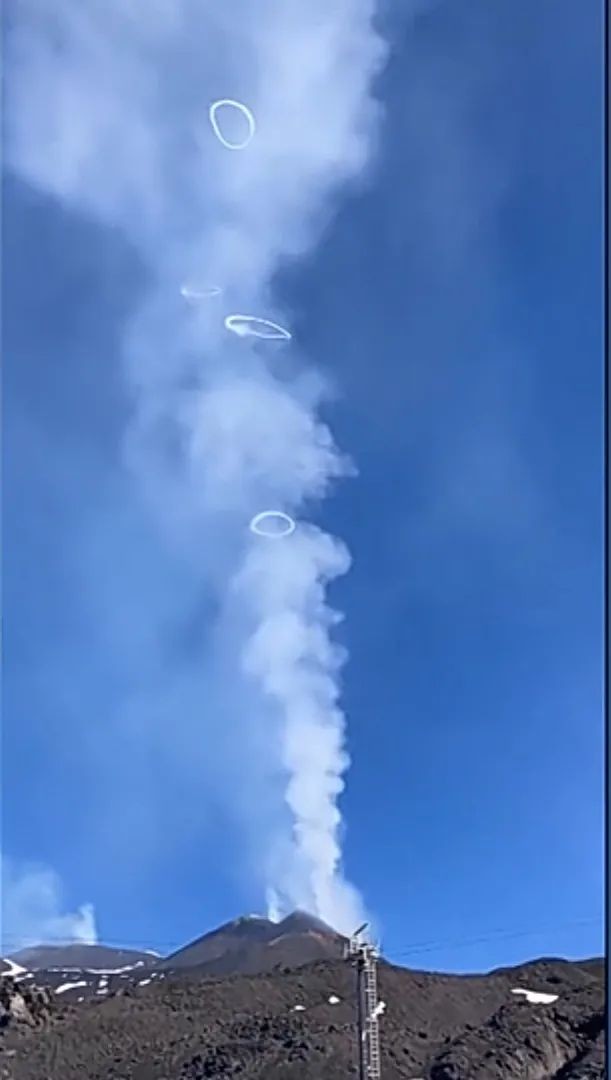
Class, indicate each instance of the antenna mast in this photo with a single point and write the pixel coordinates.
(364, 957)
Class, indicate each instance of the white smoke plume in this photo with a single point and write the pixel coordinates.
(108, 110)
(32, 910)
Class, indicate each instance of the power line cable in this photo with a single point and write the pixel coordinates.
(436, 945)
(406, 949)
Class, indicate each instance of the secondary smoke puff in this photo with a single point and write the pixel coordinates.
(108, 111)
(32, 909)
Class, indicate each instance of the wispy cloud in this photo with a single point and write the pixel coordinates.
(108, 111)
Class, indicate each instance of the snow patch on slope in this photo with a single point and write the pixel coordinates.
(13, 968)
(68, 986)
(536, 998)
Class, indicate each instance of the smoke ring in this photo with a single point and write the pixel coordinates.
(276, 515)
(252, 326)
(245, 112)
(190, 292)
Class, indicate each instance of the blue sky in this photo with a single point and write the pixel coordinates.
(455, 302)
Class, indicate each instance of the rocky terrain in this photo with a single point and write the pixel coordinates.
(175, 1021)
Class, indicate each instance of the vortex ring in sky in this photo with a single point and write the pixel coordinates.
(196, 292)
(251, 326)
(257, 525)
(227, 102)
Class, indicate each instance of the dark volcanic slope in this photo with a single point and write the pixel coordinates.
(251, 945)
(438, 1027)
(70, 957)
(233, 937)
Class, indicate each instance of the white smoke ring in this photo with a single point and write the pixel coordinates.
(272, 515)
(229, 102)
(192, 292)
(253, 326)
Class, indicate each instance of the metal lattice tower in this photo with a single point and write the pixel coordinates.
(364, 957)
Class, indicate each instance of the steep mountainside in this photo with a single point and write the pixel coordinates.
(252, 945)
(301, 1024)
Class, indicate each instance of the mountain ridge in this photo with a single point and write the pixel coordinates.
(245, 945)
